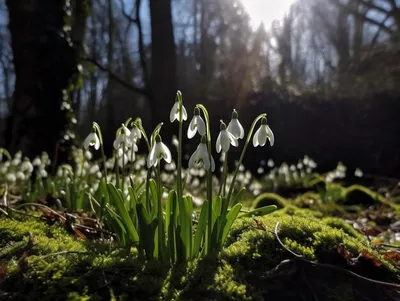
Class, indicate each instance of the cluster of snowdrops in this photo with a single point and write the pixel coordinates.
(138, 217)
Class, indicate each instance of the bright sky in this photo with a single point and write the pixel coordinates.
(266, 10)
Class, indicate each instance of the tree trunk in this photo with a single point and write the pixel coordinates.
(163, 61)
(44, 62)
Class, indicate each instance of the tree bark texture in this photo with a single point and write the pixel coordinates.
(163, 82)
(44, 61)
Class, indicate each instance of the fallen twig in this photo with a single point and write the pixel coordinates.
(330, 266)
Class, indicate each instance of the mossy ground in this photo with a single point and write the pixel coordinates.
(243, 270)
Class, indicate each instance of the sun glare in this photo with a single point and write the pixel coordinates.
(266, 11)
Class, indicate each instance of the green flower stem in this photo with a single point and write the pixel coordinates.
(228, 199)
(141, 129)
(209, 179)
(179, 175)
(103, 156)
(123, 168)
(222, 187)
(160, 216)
(116, 167)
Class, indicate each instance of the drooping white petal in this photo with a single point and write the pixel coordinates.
(212, 164)
(236, 129)
(86, 143)
(192, 159)
(172, 114)
(270, 136)
(233, 139)
(118, 141)
(201, 126)
(123, 160)
(135, 134)
(192, 128)
(96, 142)
(184, 113)
(92, 140)
(225, 140)
(255, 138)
(151, 158)
(218, 143)
(165, 153)
(262, 135)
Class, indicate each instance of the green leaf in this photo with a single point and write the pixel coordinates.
(121, 210)
(261, 211)
(201, 229)
(216, 206)
(154, 197)
(230, 218)
(237, 197)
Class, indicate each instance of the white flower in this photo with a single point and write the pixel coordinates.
(158, 151)
(234, 126)
(261, 135)
(43, 172)
(358, 173)
(11, 178)
(26, 166)
(123, 136)
(37, 162)
(270, 163)
(91, 140)
(200, 157)
(135, 134)
(20, 175)
(123, 160)
(196, 124)
(94, 168)
(88, 155)
(225, 139)
(174, 114)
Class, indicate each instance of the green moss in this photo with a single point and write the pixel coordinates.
(360, 195)
(241, 271)
(342, 225)
(269, 198)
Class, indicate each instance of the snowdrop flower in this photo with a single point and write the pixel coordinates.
(263, 132)
(225, 139)
(36, 162)
(88, 155)
(200, 157)
(158, 151)
(196, 124)
(20, 175)
(136, 134)
(26, 166)
(43, 172)
(174, 114)
(11, 178)
(123, 136)
(94, 168)
(234, 126)
(122, 160)
(270, 163)
(91, 140)
(358, 173)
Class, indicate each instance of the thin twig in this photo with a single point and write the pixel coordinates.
(64, 253)
(332, 267)
(43, 206)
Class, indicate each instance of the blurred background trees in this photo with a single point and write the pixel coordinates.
(335, 61)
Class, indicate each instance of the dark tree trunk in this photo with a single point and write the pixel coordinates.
(163, 61)
(44, 62)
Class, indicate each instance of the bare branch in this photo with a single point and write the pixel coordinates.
(118, 79)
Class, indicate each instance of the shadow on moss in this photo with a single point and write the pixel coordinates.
(252, 266)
